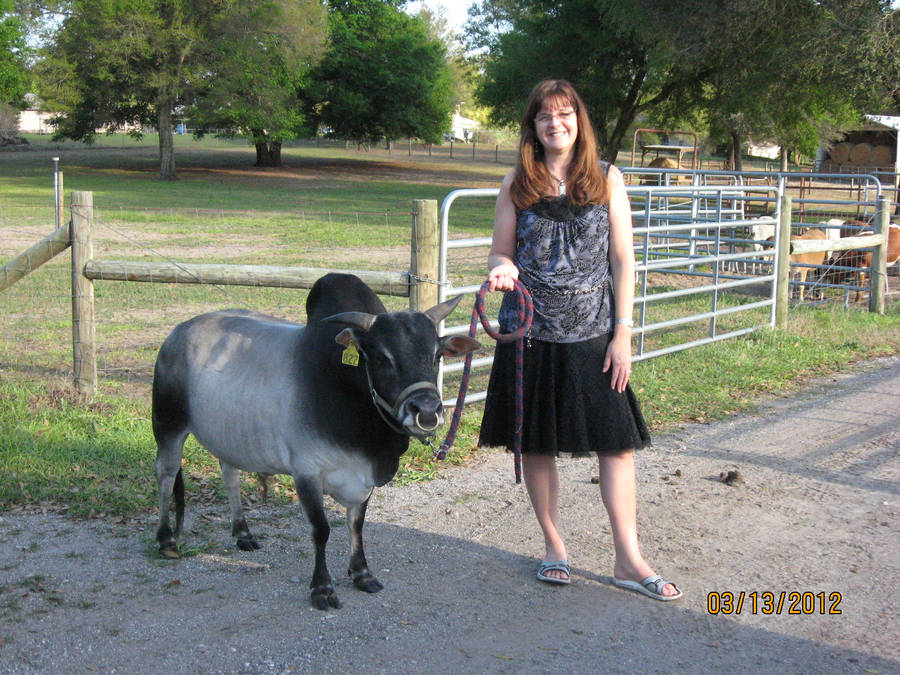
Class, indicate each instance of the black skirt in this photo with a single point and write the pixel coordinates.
(570, 405)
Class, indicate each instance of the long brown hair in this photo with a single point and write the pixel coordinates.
(585, 179)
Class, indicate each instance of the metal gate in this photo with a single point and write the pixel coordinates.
(705, 247)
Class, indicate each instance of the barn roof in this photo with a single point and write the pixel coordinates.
(891, 121)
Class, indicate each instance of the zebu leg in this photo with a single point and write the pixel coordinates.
(310, 494)
(231, 476)
(363, 579)
(169, 482)
(170, 429)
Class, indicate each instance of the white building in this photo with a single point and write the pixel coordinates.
(35, 122)
(462, 128)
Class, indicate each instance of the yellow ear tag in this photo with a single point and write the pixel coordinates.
(350, 357)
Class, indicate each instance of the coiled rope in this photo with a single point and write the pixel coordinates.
(525, 316)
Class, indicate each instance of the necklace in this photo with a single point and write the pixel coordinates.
(560, 184)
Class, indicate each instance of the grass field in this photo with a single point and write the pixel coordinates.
(326, 207)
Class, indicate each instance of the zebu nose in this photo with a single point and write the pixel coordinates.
(424, 414)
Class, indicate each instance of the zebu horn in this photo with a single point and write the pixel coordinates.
(360, 320)
(440, 312)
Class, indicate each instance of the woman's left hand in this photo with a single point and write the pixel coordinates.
(618, 357)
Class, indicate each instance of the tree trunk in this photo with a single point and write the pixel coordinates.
(268, 153)
(166, 140)
(785, 153)
(737, 163)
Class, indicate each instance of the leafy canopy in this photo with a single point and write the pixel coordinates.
(791, 71)
(385, 75)
(623, 56)
(133, 63)
(259, 62)
(13, 80)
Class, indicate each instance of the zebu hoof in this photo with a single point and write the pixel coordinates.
(247, 544)
(323, 598)
(366, 581)
(169, 549)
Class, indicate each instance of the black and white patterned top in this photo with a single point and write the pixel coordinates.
(562, 256)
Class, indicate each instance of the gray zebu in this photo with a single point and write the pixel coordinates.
(266, 395)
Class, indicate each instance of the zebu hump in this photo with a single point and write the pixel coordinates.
(336, 292)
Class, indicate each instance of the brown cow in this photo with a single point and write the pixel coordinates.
(803, 259)
(860, 259)
(893, 247)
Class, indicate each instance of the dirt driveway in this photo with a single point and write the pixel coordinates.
(815, 515)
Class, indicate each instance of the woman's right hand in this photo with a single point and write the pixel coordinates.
(503, 277)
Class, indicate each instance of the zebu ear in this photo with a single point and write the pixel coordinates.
(457, 345)
(359, 320)
(345, 337)
(440, 312)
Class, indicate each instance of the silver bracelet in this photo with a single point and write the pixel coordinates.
(626, 322)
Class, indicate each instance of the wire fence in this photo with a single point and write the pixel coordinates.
(134, 318)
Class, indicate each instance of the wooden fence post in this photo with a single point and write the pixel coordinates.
(83, 329)
(783, 263)
(878, 277)
(424, 256)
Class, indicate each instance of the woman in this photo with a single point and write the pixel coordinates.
(562, 227)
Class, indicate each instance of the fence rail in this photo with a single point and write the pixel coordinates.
(271, 276)
(28, 261)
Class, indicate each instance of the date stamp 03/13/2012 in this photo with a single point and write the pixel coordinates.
(774, 602)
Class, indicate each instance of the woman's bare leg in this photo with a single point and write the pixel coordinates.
(542, 482)
(618, 486)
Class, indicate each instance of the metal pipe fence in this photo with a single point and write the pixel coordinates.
(852, 195)
(688, 232)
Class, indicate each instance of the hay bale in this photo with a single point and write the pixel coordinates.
(660, 179)
(882, 155)
(861, 154)
(840, 153)
(663, 163)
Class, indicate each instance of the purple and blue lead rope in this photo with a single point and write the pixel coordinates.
(525, 317)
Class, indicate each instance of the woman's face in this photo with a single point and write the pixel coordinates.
(556, 125)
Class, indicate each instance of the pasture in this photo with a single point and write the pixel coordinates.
(327, 207)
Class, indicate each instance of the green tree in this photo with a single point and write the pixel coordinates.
(798, 73)
(384, 76)
(136, 63)
(132, 63)
(260, 62)
(624, 56)
(464, 70)
(890, 45)
(787, 70)
(13, 80)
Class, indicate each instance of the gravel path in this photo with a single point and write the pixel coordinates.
(815, 512)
